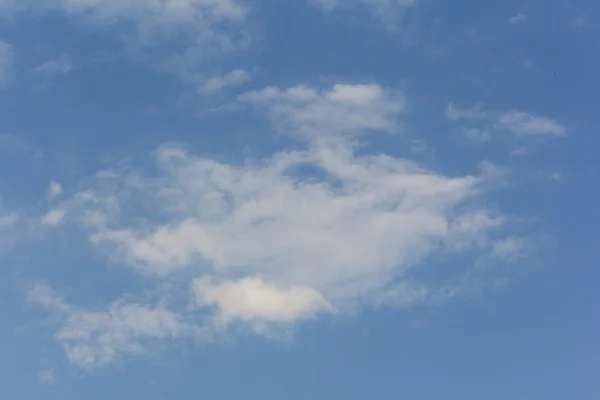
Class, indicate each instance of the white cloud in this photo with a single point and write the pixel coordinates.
(233, 78)
(45, 296)
(271, 242)
(6, 63)
(53, 217)
(47, 377)
(54, 189)
(207, 27)
(60, 66)
(343, 110)
(252, 299)
(94, 338)
(520, 17)
(523, 123)
(520, 123)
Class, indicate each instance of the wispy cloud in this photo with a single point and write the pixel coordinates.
(210, 28)
(96, 338)
(47, 377)
(515, 19)
(6, 63)
(60, 66)
(55, 189)
(523, 123)
(8, 220)
(454, 114)
(379, 7)
(519, 123)
(217, 83)
(53, 217)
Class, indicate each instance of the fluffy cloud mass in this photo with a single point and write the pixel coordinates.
(267, 243)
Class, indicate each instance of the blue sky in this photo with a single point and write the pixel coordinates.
(308, 199)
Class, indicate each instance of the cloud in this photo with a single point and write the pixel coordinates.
(93, 338)
(515, 19)
(47, 377)
(53, 217)
(6, 63)
(523, 123)
(45, 296)
(511, 248)
(342, 110)
(8, 220)
(305, 233)
(188, 32)
(54, 189)
(147, 15)
(60, 66)
(520, 151)
(233, 78)
(379, 7)
(454, 114)
(252, 299)
(557, 176)
(520, 123)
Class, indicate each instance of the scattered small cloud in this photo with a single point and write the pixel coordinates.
(454, 114)
(524, 123)
(47, 377)
(519, 123)
(97, 338)
(217, 83)
(557, 177)
(211, 28)
(60, 66)
(53, 217)
(520, 151)
(520, 17)
(54, 189)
